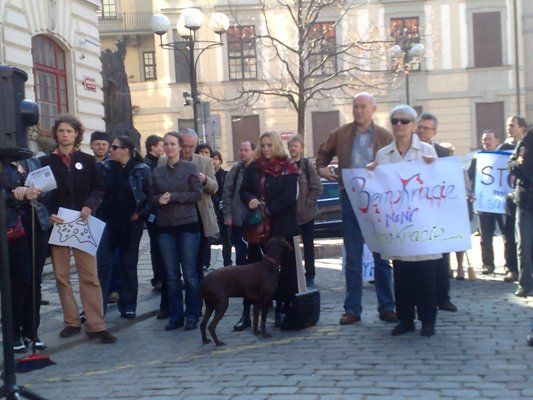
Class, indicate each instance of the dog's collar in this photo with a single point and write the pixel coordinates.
(268, 258)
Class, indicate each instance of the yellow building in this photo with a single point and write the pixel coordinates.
(56, 42)
(466, 76)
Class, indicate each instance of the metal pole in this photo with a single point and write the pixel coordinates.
(407, 87)
(517, 58)
(194, 83)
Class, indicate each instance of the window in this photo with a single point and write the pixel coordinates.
(50, 76)
(108, 9)
(490, 116)
(149, 66)
(244, 128)
(487, 39)
(405, 32)
(322, 44)
(323, 123)
(241, 52)
(181, 65)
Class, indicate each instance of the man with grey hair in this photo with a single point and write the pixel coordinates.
(355, 144)
(205, 208)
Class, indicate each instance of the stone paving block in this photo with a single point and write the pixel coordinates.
(271, 390)
(468, 393)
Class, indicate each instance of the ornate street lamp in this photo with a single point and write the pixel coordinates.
(406, 55)
(189, 21)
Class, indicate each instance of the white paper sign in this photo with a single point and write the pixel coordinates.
(81, 234)
(492, 182)
(367, 264)
(411, 209)
(42, 179)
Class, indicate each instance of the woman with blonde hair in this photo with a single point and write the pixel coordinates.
(272, 180)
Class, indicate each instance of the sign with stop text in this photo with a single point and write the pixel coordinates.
(493, 182)
(411, 209)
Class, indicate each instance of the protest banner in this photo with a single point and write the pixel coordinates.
(493, 182)
(367, 264)
(76, 232)
(411, 209)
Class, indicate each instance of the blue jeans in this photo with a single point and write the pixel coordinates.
(181, 249)
(524, 233)
(114, 249)
(240, 246)
(353, 243)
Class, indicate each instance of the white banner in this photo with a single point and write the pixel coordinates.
(411, 209)
(492, 182)
(367, 265)
(81, 234)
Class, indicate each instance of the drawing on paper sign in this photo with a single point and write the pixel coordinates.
(77, 229)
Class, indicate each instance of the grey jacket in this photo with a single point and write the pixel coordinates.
(308, 192)
(183, 183)
(232, 206)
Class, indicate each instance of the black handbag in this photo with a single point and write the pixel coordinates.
(304, 310)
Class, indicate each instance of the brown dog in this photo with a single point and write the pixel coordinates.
(256, 282)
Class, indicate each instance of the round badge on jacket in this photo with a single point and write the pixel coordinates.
(78, 166)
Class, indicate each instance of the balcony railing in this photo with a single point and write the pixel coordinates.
(133, 22)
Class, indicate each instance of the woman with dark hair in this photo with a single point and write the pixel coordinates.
(127, 182)
(272, 180)
(175, 191)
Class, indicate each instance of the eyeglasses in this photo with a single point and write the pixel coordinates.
(404, 121)
(424, 128)
(115, 147)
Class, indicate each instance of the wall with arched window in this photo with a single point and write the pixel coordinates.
(50, 79)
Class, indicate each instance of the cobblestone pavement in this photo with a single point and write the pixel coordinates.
(478, 352)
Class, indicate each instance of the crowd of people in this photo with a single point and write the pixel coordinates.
(188, 202)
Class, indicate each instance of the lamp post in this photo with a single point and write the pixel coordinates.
(406, 55)
(190, 20)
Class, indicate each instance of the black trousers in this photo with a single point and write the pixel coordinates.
(511, 261)
(308, 236)
(487, 225)
(415, 285)
(20, 270)
(443, 279)
(155, 256)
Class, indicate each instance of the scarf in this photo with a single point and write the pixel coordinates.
(277, 166)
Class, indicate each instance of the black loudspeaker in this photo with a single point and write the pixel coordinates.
(16, 114)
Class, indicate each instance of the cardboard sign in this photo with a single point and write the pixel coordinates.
(493, 182)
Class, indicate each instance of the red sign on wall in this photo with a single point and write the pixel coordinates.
(89, 84)
(286, 135)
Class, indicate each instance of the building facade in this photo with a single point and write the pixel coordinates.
(56, 42)
(467, 74)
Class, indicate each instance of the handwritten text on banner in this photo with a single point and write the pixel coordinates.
(492, 182)
(411, 209)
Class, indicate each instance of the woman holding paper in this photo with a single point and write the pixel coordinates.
(176, 189)
(127, 182)
(415, 280)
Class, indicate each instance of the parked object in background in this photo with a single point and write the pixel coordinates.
(328, 222)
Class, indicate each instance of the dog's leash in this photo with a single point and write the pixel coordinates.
(268, 258)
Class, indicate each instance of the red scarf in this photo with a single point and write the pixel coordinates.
(277, 166)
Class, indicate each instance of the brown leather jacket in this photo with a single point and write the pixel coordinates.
(339, 143)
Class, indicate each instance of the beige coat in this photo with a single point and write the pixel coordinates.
(205, 205)
(308, 192)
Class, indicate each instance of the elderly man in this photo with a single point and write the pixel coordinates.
(426, 129)
(355, 144)
(206, 211)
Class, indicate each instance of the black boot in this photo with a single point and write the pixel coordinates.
(244, 322)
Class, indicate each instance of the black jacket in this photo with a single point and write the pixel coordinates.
(280, 199)
(441, 150)
(140, 179)
(523, 194)
(78, 186)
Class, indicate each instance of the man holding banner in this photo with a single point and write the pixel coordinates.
(355, 145)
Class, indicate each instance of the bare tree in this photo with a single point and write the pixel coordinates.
(301, 37)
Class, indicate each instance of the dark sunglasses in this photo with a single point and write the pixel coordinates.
(404, 121)
(115, 147)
